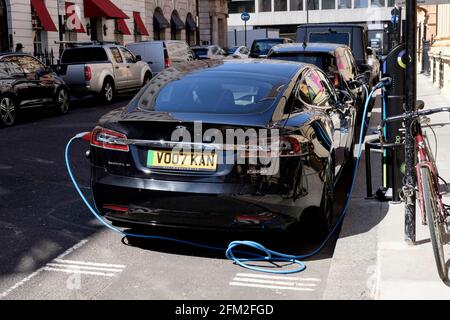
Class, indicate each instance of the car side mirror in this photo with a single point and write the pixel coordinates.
(138, 58)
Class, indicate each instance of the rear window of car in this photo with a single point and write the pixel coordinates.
(176, 49)
(318, 59)
(333, 37)
(262, 47)
(211, 93)
(83, 55)
(200, 52)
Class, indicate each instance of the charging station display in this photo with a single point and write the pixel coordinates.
(393, 99)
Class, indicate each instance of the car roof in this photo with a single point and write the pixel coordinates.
(310, 47)
(269, 39)
(283, 71)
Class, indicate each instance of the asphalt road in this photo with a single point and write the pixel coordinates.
(52, 248)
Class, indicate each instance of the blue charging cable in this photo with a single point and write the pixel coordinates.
(265, 255)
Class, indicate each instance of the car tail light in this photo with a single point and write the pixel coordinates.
(283, 146)
(114, 207)
(87, 73)
(109, 139)
(167, 62)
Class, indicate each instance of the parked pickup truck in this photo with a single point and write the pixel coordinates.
(102, 70)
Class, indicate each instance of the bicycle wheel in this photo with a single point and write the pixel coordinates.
(430, 201)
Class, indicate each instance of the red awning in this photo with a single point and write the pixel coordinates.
(122, 26)
(103, 8)
(140, 26)
(73, 21)
(44, 16)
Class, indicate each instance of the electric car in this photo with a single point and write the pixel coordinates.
(224, 144)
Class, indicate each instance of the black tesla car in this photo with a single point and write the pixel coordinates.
(26, 83)
(251, 144)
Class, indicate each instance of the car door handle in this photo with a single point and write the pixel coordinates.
(117, 67)
(128, 67)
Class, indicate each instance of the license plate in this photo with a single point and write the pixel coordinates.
(182, 161)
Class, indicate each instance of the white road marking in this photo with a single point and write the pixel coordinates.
(282, 282)
(38, 271)
(264, 276)
(269, 286)
(93, 273)
(286, 283)
(72, 266)
(95, 264)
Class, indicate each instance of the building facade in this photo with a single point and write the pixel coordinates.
(286, 15)
(41, 25)
(440, 50)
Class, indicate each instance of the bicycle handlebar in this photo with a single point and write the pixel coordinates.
(414, 114)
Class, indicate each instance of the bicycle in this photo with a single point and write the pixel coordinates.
(433, 211)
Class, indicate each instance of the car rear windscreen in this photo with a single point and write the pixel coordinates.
(200, 52)
(321, 60)
(212, 93)
(262, 47)
(333, 37)
(84, 55)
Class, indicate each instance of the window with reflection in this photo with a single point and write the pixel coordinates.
(361, 3)
(313, 4)
(391, 3)
(239, 6)
(378, 3)
(265, 5)
(280, 5)
(344, 4)
(296, 5)
(328, 4)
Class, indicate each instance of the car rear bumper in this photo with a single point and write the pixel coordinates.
(191, 204)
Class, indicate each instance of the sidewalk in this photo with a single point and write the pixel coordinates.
(371, 259)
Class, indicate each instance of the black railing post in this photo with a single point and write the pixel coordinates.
(410, 87)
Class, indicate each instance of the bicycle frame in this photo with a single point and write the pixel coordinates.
(425, 159)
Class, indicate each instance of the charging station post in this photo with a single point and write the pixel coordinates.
(410, 92)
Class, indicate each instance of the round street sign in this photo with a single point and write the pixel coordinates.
(245, 16)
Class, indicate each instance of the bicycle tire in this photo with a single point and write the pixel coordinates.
(430, 202)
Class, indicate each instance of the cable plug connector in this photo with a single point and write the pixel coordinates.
(384, 82)
(86, 136)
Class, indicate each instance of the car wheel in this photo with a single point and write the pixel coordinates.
(107, 94)
(147, 78)
(8, 111)
(63, 101)
(315, 222)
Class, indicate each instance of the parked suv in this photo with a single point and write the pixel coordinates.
(352, 35)
(260, 47)
(161, 54)
(103, 70)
